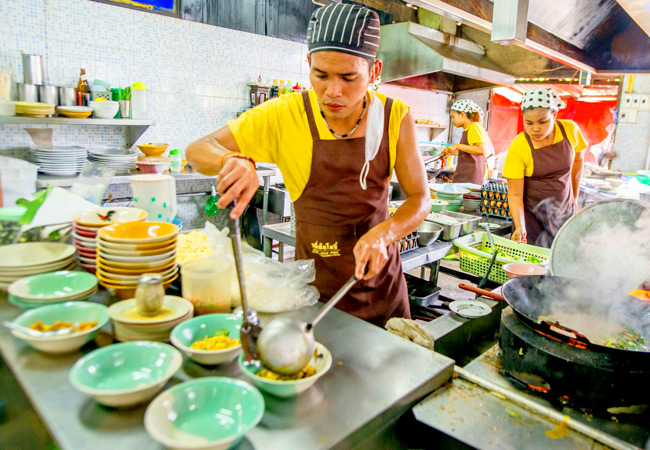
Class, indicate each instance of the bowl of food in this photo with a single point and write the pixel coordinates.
(515, 270)
(204, 413)
(288, 386)
(209, 339)
(153, 166)
(126, 374)
(152, 149)
(104, 109)
(428, 232)
(85, 319)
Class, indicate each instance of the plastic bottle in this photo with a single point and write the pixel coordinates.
(281, 88)
(138, 101)
(273, 92)
(297, 88)
(176, 159)
(288, 89)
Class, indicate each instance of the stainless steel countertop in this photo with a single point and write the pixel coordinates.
(374, 379)
(410, 260)
(471, 414)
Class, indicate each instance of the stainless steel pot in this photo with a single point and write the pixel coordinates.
(471, 222)
(32, 69)
(428, 232)
(449, 232)
(27, 92)
(67, 96)
(49, 94)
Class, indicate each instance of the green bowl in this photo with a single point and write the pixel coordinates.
(126, 374)
(185, 333)
(453, 208)
(74, 312)
(438, 205)
(322, 363)
(210, 412)
(33, 305)
(53, 286)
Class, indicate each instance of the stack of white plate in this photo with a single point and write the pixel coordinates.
(31, 258)
(118, 159)
(59, 160)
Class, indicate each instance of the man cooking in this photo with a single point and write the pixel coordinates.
(336, 146)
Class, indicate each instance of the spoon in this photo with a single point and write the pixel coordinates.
(37, 334)
(286, 346)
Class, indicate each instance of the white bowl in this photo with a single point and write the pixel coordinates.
(105, 110)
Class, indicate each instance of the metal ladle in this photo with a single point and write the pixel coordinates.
(286, 346)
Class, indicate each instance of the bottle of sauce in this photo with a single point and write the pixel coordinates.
(281, 88)
(297, 88)
(83, 89)
(273, 92)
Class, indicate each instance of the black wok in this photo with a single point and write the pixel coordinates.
(577, 312)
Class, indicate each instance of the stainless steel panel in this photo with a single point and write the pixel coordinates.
(509, 21)
(32, 69)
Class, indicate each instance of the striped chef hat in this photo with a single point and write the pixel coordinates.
(345, 28)
(542, 98)
(466, 106)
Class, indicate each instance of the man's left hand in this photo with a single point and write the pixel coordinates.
(371, 250)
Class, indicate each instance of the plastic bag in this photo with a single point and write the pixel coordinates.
(271, 286)
(92, 182)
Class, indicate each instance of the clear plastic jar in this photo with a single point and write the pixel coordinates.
(207, 284)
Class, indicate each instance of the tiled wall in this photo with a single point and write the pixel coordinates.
(632, 142)
(196, 73)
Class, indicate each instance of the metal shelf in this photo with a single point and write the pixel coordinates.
(134, 128)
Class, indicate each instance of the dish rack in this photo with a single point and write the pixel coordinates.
(494, 201)
(407, 243)
(475, 260)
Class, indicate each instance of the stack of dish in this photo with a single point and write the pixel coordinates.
(75, 112)
(451, 194)
(131, 325)
(87, 223)
(127, 250)
(119, 160)
(50, 288)
(59, 160)
(31, 258)
(471, 202)
(34, 109)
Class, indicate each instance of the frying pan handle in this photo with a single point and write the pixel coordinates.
(568, 335)
(482, 292)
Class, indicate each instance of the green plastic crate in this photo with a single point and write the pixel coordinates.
(476, 261)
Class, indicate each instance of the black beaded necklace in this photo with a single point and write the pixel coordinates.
(353, 129)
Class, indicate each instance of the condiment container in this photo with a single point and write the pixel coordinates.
(176, 159)
(207, 284)
(150, 294)
(138, 101)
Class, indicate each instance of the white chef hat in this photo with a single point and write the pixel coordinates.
(542, 98)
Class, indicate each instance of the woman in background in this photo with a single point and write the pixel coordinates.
(543, 168)
(475, 146)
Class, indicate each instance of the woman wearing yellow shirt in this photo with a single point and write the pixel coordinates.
(474, 147)
(543, 168)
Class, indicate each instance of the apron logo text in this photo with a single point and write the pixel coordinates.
(325, 250)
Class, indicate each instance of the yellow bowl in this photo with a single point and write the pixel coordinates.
(124, 280)
(138, 232)
(93, 218)
(153, 252)
(110, 246)
(76, 114)
(126, 292)
(153, 149)
(136, 266)
(116, 271)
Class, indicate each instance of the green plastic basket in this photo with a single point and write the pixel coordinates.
(476, 261)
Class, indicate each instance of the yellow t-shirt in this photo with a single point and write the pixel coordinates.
(278, 132)
(476, 134)
(519, 160)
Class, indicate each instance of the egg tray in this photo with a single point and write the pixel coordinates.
(499, 213)
(408, 243)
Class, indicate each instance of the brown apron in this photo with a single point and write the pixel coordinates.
(470, 168)
(548, 192)
(333, 212)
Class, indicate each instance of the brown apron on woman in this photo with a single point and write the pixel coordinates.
(548, 192)
(470, 168)
(333, 212)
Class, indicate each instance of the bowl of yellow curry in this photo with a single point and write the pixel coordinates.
(85, 319)
(288, 386)
(209, 339)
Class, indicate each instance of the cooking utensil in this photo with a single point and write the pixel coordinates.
(49, 94)
(32, 69)
(35, 333)
(428, 232)
(67, 96)
(494, 257)
(250, 328)
(286, 346)
(27, 92)
(480, 291)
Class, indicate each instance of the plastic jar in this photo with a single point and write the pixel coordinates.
(207, 284)
(176, 159)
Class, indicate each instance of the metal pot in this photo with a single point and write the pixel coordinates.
(67, 96)
(27, 92)
(49, 94)
(32, 69)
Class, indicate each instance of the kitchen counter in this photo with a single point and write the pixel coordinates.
(375, 378)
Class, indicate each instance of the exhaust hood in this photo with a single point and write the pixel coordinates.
(423, 57)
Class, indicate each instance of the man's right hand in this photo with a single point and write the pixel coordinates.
(237, 181)
(519, 235)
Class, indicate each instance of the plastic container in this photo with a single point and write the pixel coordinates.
(176, 159)
(207, 284)
(281, 88)
(297, 88)
(17, 179)
(138, 101)
(288, 88)
(273, 92)
(156, 194)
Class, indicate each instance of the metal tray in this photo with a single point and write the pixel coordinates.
(471, 222)
(449, 232)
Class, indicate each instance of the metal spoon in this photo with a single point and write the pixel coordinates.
(37, 334)
(250, 328)
(286, 346)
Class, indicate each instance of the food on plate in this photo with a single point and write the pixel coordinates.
(628, 339)
(193, 245)
(58, 325)
(428, 122)
(304, 373)
(218, 341)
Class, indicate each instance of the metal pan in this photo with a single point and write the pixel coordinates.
(541, 299)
